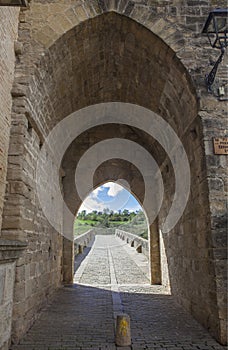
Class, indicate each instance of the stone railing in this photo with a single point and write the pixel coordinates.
(83, 241)
(104, 231)
(140, 244)
(88, 237)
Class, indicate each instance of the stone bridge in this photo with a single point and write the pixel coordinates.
(141, 245)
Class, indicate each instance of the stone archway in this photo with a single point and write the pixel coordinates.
(135, 67)
(130, 184)
(112, 166)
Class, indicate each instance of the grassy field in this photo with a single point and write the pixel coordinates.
(136, 226)
(82, 226)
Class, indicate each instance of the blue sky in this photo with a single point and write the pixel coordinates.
(110, 195)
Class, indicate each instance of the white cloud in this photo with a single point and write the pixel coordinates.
(135, 208)
(91, 204)
(114, 188)
(95, 192)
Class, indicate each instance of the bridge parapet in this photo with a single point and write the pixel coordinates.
(86, 238)
(139, 243)
(83, 241)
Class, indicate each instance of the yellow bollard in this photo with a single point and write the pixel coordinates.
(123, 330)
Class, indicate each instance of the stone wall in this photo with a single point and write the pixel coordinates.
(38, 271)
(39, 268)
(8, 36)
(216, 124)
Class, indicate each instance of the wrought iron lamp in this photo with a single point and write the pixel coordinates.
(216, 30)
(22, 3)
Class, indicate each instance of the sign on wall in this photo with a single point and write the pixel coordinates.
(220, 145)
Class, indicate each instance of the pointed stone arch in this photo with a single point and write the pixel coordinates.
(56, 19)
(42, 98)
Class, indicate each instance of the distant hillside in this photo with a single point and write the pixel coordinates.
(134, 222)
(137, 225)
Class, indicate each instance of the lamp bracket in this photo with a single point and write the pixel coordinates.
(211, 76)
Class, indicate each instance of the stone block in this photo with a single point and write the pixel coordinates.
(2, 283)
(19, 293)
(123, 330)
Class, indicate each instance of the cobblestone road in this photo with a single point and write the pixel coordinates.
(111, 279)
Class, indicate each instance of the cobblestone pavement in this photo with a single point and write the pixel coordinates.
(111, 278)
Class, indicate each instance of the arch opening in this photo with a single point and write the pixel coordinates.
(112, 209)
(111, 205)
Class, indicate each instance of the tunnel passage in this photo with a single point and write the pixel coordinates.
(105, 59)
(113, 169)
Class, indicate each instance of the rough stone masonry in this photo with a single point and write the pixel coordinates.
(57, 57)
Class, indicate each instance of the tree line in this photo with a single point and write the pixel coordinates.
(99, 216)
